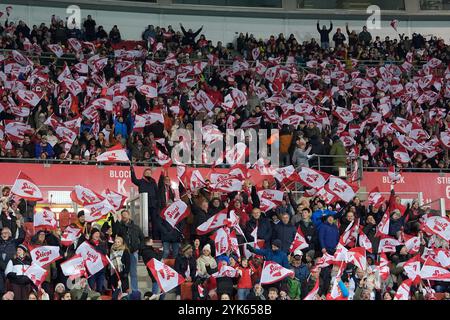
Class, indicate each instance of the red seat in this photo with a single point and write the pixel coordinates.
(169, 262)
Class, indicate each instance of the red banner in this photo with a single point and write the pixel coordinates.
(433, 185)
(58, 177)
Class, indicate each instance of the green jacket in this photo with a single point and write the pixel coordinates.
(338, 149)
(293, 288)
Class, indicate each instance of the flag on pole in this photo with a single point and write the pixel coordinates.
(166, 277)
(25, 188)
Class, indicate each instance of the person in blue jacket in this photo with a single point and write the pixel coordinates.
(329, 235)
(318, 215)
(274, 254)
(43, 147)
(120, 127)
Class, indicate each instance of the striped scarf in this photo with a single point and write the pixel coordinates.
(116, 259)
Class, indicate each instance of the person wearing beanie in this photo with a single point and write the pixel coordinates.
(19, 283)
(97, 280)
(186, 266)
(205, 259)
(274, 254)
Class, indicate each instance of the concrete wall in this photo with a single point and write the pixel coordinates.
(221, 28)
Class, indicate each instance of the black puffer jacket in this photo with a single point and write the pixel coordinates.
(148, 186)
(284, 232)
(7, 251)
(148, 253)
(131, 234)
(169, 233)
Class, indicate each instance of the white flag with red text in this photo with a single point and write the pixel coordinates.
(74, 267)
(175, 212)
(45, 219)
(166, 277)
(94, 260)
(45, 255)
(25, 188)
(273, 272)
(114, 154)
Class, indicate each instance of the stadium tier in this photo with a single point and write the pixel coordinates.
(174, 165)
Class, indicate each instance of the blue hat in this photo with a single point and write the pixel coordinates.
(223, 257)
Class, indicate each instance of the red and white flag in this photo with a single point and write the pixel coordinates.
(36, 274)
(393, 175)
(255, 53)
(364, 241)
(69, 235)
(394, 24)
(114, 154)
(437, 225)
(388, 245)
(299, 242)
(286, 175)
(403, 290)
(225, 271)
(116, 199)
(175, 212)
(216, 221)
(357, 256)
(163, 159)
(383, 267)
(431, 270)
(94, 260)
(222, 241)
(166, 277)
(103, 103)
(149, 90)
(383, 227)
(21, 59)
(313, 178)
(402, 155)
(412, 268)
(74, 267)
(340, 188)
(45, 255)
(412, 243)
(315, 290)
(96, 211)
(375, 198)
(82, 195)
(273, 272)
(25, 188)
(56, 49)
(274, 196)
(28, 97)
(45, 219)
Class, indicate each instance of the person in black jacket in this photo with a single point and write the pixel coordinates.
(8, 247)
(324, 35)
(264, 228)
(186, 266)
(189, 36)
(201, 214)
(224, 284)
(285, 232)
(89, 28)
(120, 259)
(20, 284)
(171, 238)
(166, 193)
(148, 185)
(148, 253)
(309, 230)
(134, 239)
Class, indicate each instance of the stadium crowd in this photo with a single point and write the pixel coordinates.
(392, 112)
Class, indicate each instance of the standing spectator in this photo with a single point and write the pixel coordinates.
(15, 269)
(364, 37)
(244, 285)
(285, 232)
(120, 258)
(262, 223)
(189, 36)
(148, 185)
(339, 155)
(97, 280)
(43, 148)
(338, 38)
(114, 35)
(186, 265)
(89, 28)
(324, 34)
(101, 34)
(352, 37)
(328, 235)
(301, 154)
(148, 253)
(133, 238)
(8, 246)
(274, 254)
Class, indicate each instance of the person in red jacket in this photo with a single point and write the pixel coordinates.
(245, 284)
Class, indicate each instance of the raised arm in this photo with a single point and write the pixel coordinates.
(198, 31)
(134, 179)
(331, 26)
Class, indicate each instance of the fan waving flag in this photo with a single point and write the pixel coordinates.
(36, 274)
(340, 188)
(82, 195)
(273, 272)
(403, 290)
(74, 267)
(96, 211)
(45, 255)
(437, 225)
(45, 219)
(299, 242)
(69, 235)
(166, 277)
(116, 199)
(375, 198)
(114, 154)
(94, 260)
(175, 212)
(315, 290)
(25, 188)
(216, 221)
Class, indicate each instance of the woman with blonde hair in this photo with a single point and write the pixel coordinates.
(120, 259)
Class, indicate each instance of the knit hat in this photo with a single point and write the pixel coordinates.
(80, 213)
(186, 247)
(207, 247)
(94, 230)
(23, 247)
(277, 243)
